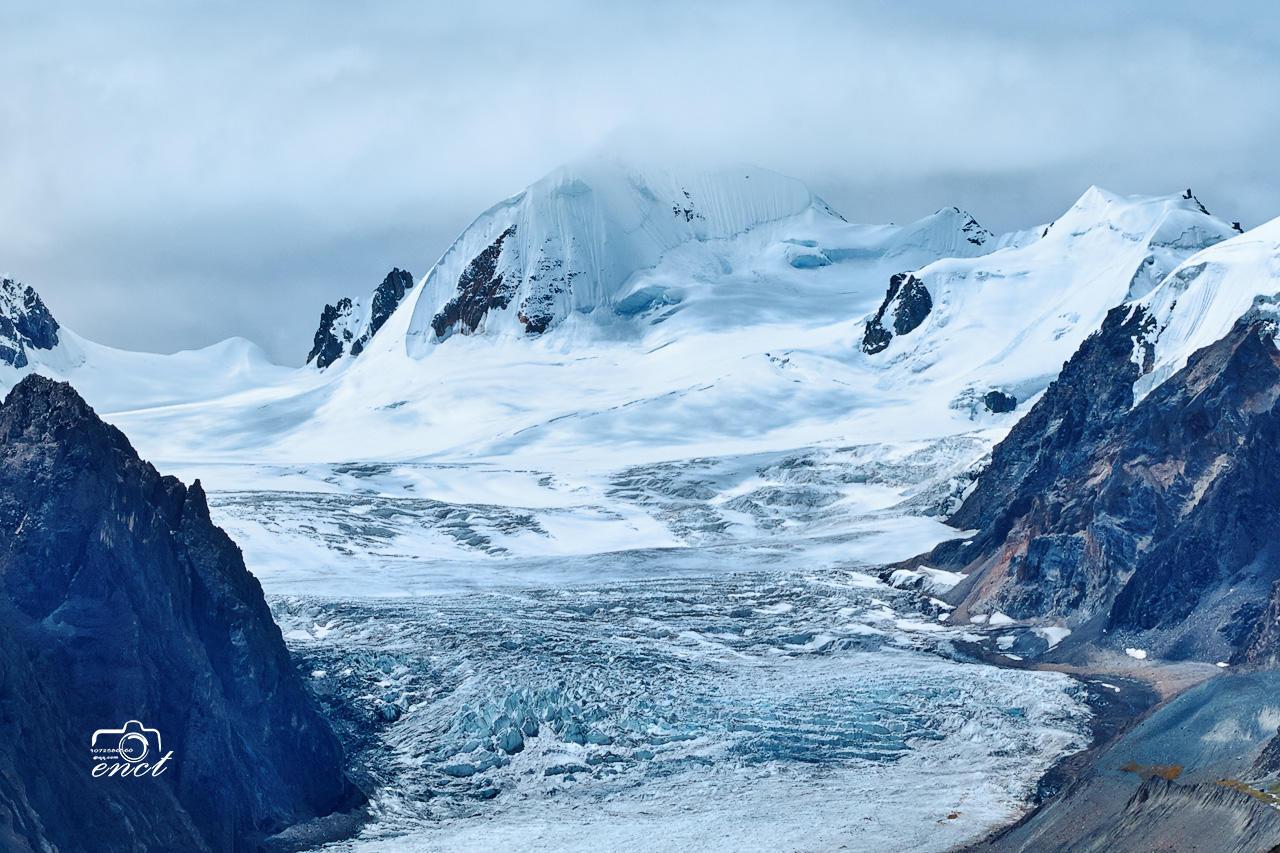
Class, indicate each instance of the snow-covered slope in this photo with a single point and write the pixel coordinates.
(1008, 320)
(1201, 300)
(115, 380)
(703, 313)
(577, 241)
(730, 319)
(571, 241)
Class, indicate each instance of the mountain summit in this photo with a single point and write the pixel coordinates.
(570, 242)
(1005, 321)
(25, 323)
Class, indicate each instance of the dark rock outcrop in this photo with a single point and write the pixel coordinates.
(1261, 646)
(386, 299)
(998, 402)
(972, 230)
(343, 329)
(120, 600)
(331, 337)
(1160, 815)
(481, 289)
(908, 301)
(551, 278)
(25, 323)
(1156, 519)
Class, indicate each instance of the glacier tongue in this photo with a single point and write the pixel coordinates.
(749, 712)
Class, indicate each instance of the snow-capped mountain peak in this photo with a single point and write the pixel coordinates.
(612, 240)
(1200, 300)
(963, 224)
(25, 323)
(1008, 319)
(570, 242)
(1169, 227)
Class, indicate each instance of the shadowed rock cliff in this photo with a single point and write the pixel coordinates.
(1154, 523)
(120, 600)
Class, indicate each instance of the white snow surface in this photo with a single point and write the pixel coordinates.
(932, 580)
(1199, 301)
(1009, 319)
(655, 517)
(117, 381)
(733, 334)
(1053, 634)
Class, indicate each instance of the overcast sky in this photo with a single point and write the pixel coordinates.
(173, 173)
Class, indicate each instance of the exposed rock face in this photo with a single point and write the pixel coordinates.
(480, 290)
(120, 600)
(386, 298)
(1156, 520)
(1164, 815)
(1268, 762)
(1094, 389)
(25, 323)
(347, 328)
(1262, 644)
(333, 335)
(908, 301)
(972, 230)
(998, 402)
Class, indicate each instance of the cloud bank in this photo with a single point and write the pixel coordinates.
(175, 173)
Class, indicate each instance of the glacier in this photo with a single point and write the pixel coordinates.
(754, 711)
(583, 550)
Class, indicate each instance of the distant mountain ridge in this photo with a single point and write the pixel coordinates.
(1011, 317)
(736, 282)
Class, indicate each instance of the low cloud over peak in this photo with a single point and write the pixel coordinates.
(178, 174)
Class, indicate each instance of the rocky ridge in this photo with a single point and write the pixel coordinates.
(347, 326)
(25, 323)
(120, 600)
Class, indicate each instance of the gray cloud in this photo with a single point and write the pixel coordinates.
(175, 173)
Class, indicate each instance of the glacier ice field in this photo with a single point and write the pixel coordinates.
(687, 655)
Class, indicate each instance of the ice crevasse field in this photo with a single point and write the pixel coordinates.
(614, 585)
